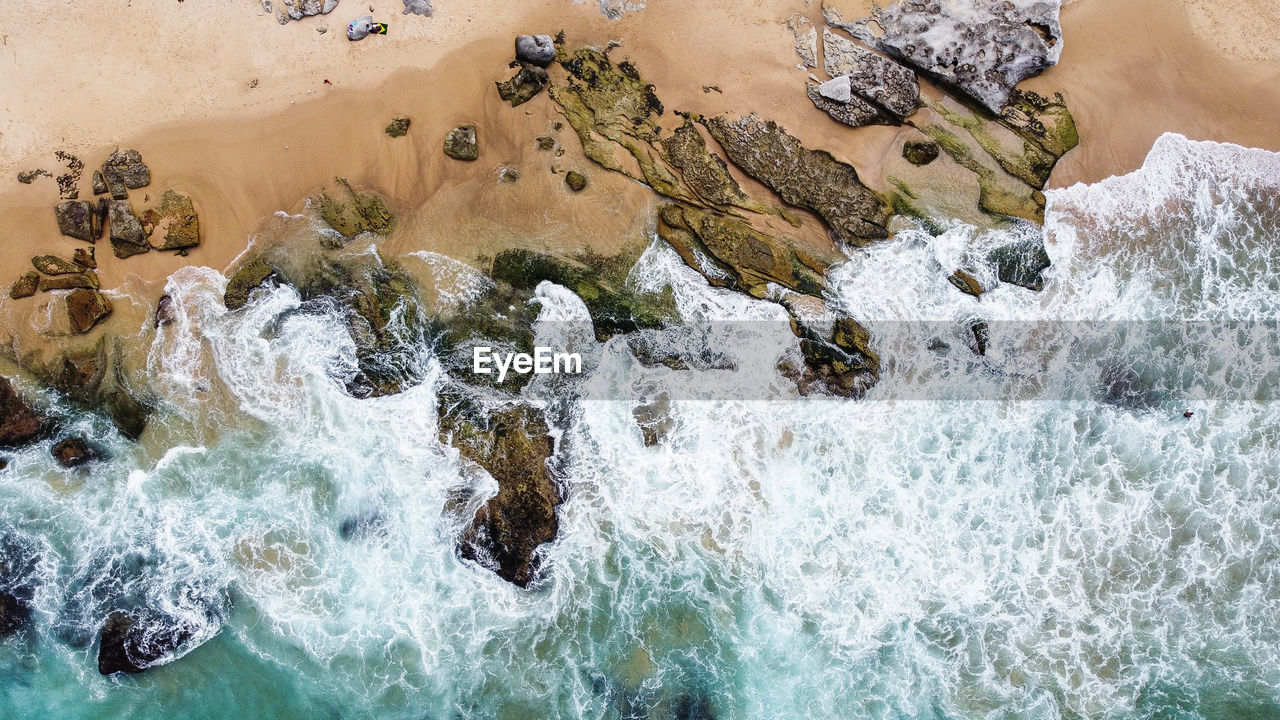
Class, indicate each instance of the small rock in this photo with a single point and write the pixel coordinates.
(654, 419)
(546, 142)
(1021, 263)
(920, 152)
(85, 308)
(460, 143)
(115, 184)
(129, 645)
(837, 89)
(26, 286)
(127, 236)
(537, 49)
(806, 39)
(77, 219)
(128, 165)
(322, 29)
(69, 282)
(72, 452)
(99, 183)
(981, 336)
(398, 127)
(52, 265)
(966, 283)
(84, 258)
(575, 180)
(509, 175)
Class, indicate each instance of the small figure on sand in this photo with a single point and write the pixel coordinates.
(362, 27)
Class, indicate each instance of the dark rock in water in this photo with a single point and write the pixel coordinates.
(1126, 387)
(127, 236)
(77, 219)
(537, 49)
(854, 111)
(130, 644)
(86, 279)
(805, 178)
(841, 364)
(460, 143)
(693, 707)
(1021, 263)
(164, 311)
(86, 307)
(84, 257)
(17, 578)
(94, 379)
(99, 183)
(654, 419)
(981, 336)
(398, 127)
(966, 283)
(873, 77)
(938, 345)
(575, 180)
(363, 526)
(920, 152)
(982, 48)
(514, 447)
(417, 7)
(53, 265)
(248, 278)
(73, 452)
(524, 86)
(363, 212)
(128, 166)
(600, 282)
(176, 215)
(26, 286)
(20, 424)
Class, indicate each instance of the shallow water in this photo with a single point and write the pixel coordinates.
(1040, 551)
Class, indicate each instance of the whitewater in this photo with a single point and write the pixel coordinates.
(1034, 533)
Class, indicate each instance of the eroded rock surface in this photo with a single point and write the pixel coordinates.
(25, 286)
(359, 213)
(127, 235)
(176, 218)
(874, 77)
(524, 86)
(460, 143)
(86, 307)
(806, 36)
(78, 219)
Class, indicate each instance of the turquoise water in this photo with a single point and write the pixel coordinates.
(1039, 555)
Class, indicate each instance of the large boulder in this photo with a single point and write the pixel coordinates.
(983, 48)
(128, 238)
(78, 219)
(359, 213)
(874, 77)
(1022, 263)
(175, 221)
(20, 423)
(539, 50)
(132, 644)
(806, 178)
(460, 143)
(513, 446)
(86, 307)
(127, 166)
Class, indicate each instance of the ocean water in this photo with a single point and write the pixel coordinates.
(952, 546)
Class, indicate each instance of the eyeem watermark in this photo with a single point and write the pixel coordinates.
(543, 361)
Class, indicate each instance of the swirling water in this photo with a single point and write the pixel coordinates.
(1042, 554)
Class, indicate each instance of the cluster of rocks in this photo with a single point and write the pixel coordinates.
(286, 10)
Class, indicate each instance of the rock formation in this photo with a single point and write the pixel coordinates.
(20, 423)
(127, 235)
(86, 307)
(806, 37)
(131, 644)
(398, 127)
(875, 78)
(174, 222)
(538, 50)
(524, 86)
(78, 219)
(460, 143)
(26, 286)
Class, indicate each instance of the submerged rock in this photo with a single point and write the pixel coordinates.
(873, 77)
(127, 235)
(805, 178)
(244, 281)
(73, 452)
(524, 86)
(537, 49)
(86, 307)
(460, 143)
(1022, 263)
(920, 152)
(53, 265)
(17, 579)
(654, 419)
(129, 644)
(841, 362)
(983, 48)
(78, 219)
(398, 127)
(513, 446)
(26, 286)
(20, 423)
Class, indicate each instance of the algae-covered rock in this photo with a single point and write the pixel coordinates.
(920, 152)
(1042, 120)
(127, 165)
(94, 378)
(513, 446)
(85, 279)
(78, 219)
(599, 281)
(524, 86)
(73, 452)
(53, 265)
(20, 423)
(128, 238)
(575, 180)
(1022, 263)
(360, 213)
(26, 286)
(244, 281)
(86, 307)
(841, 362)
(805, 178)
(999, 193)
(176, 216)
(966, 283)
(460, 143)
(871, 76)
(704, 172)
(398, 127)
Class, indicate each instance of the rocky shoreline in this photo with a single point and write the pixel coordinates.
(734, 192)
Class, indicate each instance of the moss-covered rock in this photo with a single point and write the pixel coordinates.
(244, 281)
(78, 219)
(176, 217)
(704, 172)
(358, 213)
(524, 86)
(513, 446)
(84, 257)
(94, 379)
(398, 127)
(575, 180)
(87, 279)
(460, 143)
(810, 179)
(1021, 263)
(25, 286)
(86, 307)
(840, 362)
(920, 152)
(966, 283)
(53, 265)
(1042, 120)
(999, 193)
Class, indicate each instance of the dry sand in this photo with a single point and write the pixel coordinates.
(176, 81)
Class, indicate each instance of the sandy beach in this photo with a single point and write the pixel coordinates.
(232, 107)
